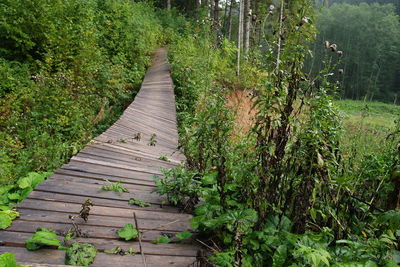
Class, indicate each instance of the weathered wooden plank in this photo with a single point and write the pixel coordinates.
(48, 256)
(101, 171)
(77, 158)
(146, 132)
(132, 162)
(90, 231)
(127, 138)
(93, 190)
(140, 146)
(35, 204)
(113, 203)
(129, 159)
(72, 170)
(87, 180)
(57, 257)
(134, 155)
(17, 239)
(105, 221)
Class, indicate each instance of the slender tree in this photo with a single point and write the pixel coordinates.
(240, 35)
(229, 26)
(216, 14)
(247, 22)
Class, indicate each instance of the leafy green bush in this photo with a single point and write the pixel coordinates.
(180, 186)
(68, 69)
(282, 195)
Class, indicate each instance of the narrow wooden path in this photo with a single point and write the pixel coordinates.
(117, 156)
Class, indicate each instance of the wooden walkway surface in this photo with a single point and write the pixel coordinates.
(114, 155)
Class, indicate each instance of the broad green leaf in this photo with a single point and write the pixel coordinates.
(162, 240)
(81, 254)
(32, 180)
(184, 235)
(279, 256)
(128, 232)
(7, 260)
(14, 196)
(6, 218)
(42, 237)
(364, 263)
(209, 178)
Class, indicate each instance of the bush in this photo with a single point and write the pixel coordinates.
(68, 68)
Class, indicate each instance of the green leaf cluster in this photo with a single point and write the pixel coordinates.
(42, 237)
(13, 194)
(7, 260)
(138, 202)
(128, 232)
(116, 187)
(6, 218)
(80, 254)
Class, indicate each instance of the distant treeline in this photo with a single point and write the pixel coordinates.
(368, 33)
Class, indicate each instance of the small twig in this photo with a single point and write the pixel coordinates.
(204, 244)
(140, 240)
(369, 204)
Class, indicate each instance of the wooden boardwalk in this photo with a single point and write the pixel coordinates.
(114, 155)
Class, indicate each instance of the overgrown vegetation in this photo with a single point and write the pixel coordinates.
(313, 182)
(67, 69)
(299, 188)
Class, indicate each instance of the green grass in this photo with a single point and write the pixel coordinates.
(366, 127)
(375, 114)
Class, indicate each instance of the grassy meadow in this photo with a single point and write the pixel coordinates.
(366, 127)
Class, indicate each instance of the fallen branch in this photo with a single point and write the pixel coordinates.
(140, 240)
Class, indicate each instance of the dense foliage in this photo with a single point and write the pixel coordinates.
(294, 190)
(302, 187)
(67, 70)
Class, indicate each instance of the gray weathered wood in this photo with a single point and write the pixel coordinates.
(114, 155)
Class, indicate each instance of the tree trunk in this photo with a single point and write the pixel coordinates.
(198, 4)
(229, 27)
(216, 14)
(247, 21)
(240, 35)
(211, 10)
(279, 35)
(168, 4)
